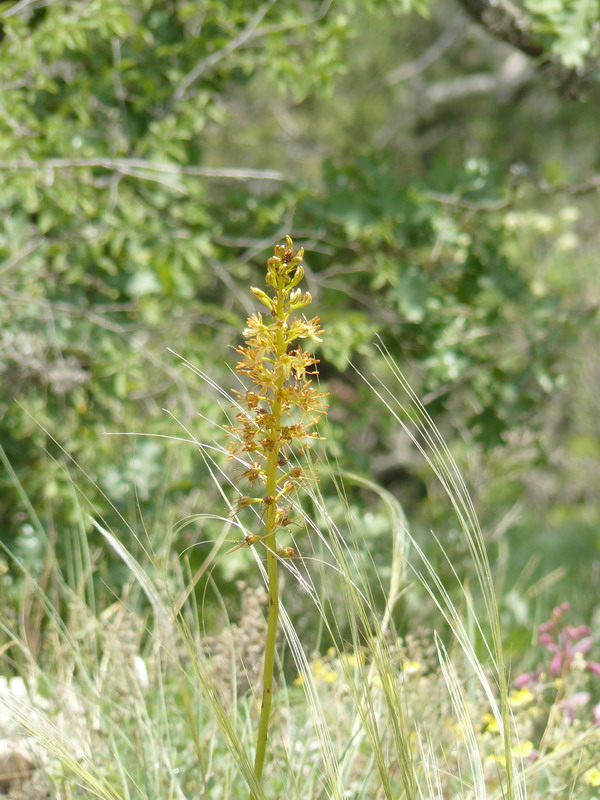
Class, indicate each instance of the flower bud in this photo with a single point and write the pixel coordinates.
(262, 296)
(298, 275)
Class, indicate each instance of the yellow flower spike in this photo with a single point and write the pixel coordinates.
(281, 410)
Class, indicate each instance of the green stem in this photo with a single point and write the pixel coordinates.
(272, 623)
(272, 564)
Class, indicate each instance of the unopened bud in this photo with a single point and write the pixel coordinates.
(297, 258)
(262, 296)
(298, 275)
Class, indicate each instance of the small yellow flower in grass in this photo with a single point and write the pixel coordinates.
(375, 680)
(521, 698)
(411, 668)
(352, 660)
(521, 750)
(490, 722)
(592, 777)
(320, 672)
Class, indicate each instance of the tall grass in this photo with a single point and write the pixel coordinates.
(130, 696)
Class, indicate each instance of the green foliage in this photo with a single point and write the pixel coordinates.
(569, 26)
(435, 272)
(151, 154)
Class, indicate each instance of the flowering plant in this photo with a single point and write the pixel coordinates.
(281, 410)
(567, 644)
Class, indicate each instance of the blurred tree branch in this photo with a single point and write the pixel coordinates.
(243, 38)
(514, 73)
(127, 164)
(503, 20)
(428, 57)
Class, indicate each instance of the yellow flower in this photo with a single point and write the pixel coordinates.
(521, 698)
(280, 372)
(520, 750)
(352, 660)
(491, 725)
(523, 749)
(320, 672)
(592, 776)
(411, 668)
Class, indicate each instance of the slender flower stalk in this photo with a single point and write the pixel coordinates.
(277, 422)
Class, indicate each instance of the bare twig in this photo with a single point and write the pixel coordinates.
(13, 124)
(428, 57)
(18, 7)
(469, 205)
(15, 261)
(294, 24)
(125, 164)
(120, 93)
(251, 33)
(591, 185)
(238, 41)
(514, 73)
